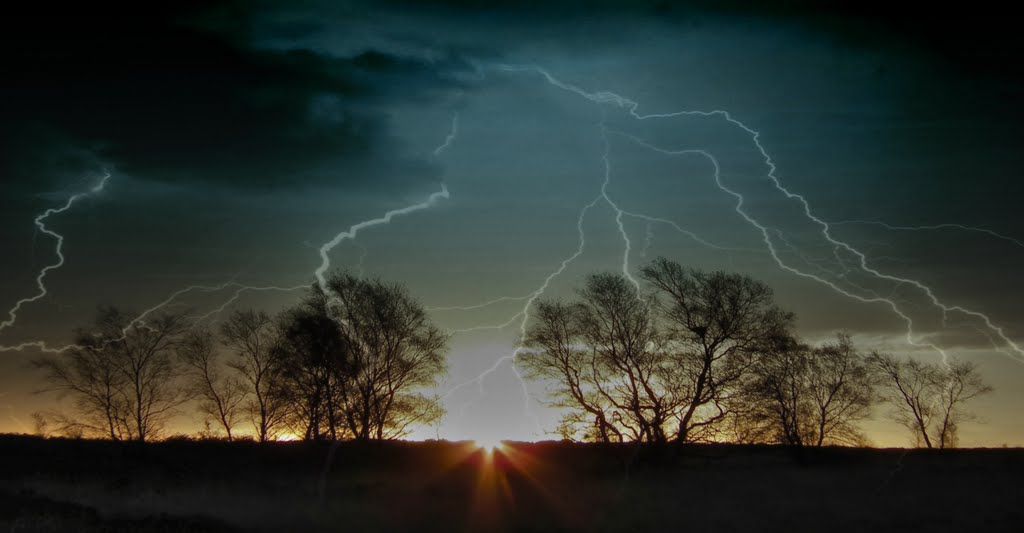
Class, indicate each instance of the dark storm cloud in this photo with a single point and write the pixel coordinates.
(982, 40)
(182, 97)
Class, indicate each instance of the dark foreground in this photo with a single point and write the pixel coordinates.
(68, 485)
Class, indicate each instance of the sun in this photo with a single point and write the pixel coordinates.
(488, 444)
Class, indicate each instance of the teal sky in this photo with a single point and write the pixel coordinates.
(240, 140)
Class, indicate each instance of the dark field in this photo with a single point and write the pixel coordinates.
(68, 485)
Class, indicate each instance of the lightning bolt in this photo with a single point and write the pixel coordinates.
(891, 303)
(524, 313)
(844, 253)
(766, 237)
(354, 230)
(961, 227)
(351, 232)
(619, 213)
(239, 289)
(361, 264)
(40, 222)
(803, 257)
(824, 228)
(453, 133)
(648, 239)
(483, 305)
(325, 249)
(501, 326)
(673, 224)
(141, 317)
(488, 303)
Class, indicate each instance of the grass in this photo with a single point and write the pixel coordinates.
(182, 485)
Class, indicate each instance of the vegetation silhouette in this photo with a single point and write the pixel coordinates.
(929, 399)
(347, 362)
(686, 356)
(695, 356)
(121, 375)
(689, 386)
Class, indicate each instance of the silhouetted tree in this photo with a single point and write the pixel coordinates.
(961, 383)
(605, 354)
(89, 373)
(393, 350)
(253, 337)
(775, 404)
(928, 399)
(635, 366)
(313, 361)
(121, 373)
(801, 395)
(221, 395)
(557, 355)
(842, 389)
(716, 324)
(355, 358)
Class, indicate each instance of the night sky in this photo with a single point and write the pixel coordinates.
(240, 138)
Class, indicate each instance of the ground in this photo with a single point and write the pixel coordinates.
(183, 485)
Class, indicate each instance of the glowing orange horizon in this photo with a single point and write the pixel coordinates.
(489, 444)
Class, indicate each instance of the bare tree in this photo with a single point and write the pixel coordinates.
(252, 336)
(121, 374)
(355, 359)
(89, 373)
(775, 404)
(393, 351)
(929, 399)
(558, 355)
(717, 323)
(605, 355)
(220, 396)
(810, 396)
(909, 387)
(842, 389)
(961, 383)
(313, 359)
(146, 351)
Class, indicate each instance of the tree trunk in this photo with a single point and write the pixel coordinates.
(684, 424)
(924, 432)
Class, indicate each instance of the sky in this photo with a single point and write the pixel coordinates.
(864, 164)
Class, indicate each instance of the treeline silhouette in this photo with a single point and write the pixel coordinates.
(681, 355)
(349, 361)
